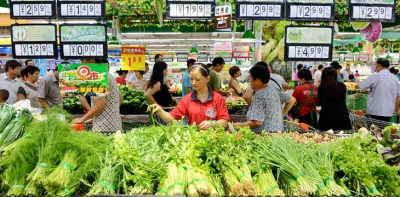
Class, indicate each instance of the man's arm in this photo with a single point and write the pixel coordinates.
(286, 86)
(288, 105)
(42, 92)
(222, 92)
(121, 100)
(43, 103)
(251, 124)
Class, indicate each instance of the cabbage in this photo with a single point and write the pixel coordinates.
(372, 32)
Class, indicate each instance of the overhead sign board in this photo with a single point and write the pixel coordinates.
(223, 18)
(372, 10)
(34, 41)
(260, 9)
(42, 9)
(168, 58)
(182, 57)
(308, 43)
(241, 51)
(81, 9)
(79, 41)
(310, 10)
(190, 9)
(202, 57)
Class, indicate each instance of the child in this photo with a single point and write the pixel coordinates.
(357, 74)
(122, 74)
(3, 96)
(139, 83)
(353, 79)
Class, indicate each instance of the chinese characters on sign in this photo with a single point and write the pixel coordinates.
(223, 18)
(133, 57)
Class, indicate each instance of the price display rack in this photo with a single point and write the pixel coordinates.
(202, 57)
(200, 9)
(308, 43)
(370, 11)
(80, 41)
(260, 9)
(168, 58)
(81, 9)
(43, 9)
(310, 10)
(34, 41)
(182, 57)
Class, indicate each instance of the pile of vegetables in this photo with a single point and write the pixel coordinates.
(235, 105)
(134, 101)
(52, 159)
(389, 143)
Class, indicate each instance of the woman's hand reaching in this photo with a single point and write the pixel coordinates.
(154, 108)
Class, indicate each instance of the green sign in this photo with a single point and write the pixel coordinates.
(83, 78)
(309, 35)
(34, 33)
(83, 33)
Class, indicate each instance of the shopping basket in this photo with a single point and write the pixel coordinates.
(239, 116)
(356, 101)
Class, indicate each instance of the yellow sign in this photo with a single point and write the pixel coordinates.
(133, 57)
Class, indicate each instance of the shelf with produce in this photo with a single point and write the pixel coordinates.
(180, 160)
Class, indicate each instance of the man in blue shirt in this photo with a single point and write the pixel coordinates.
(186, 86)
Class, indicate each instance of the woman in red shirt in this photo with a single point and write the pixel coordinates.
(306, 96)
(202, 107)
(122, 76)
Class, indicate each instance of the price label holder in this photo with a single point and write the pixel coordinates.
(83, 41)
(202, 57)
(133, 57)
(227, 57)
(182, 57)
(34, 41)
(308, 43)
(43, 9)
(260, 9)
(81, 9)
(192, 9)
(240, 51)
(370, 11)
(168, 58)
(310, 10)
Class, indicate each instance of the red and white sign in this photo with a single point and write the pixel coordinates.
(241, 51)
(363, 57)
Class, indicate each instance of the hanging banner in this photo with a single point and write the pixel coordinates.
(133, 57)
(83, 78)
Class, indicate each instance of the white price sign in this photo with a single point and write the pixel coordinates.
(29, 10)
(308, 52)
(190, 9)
(370, 11)
(34, 50)
(260, 9)
(82, 50)
(81, 9)
(314, 12)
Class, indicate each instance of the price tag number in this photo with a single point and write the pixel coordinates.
(308, 52)
(133, 59)
(192, 10)
(260, 11)
(78, 9)
(372, 12)
(32, 10)
(300, 11)
(240, 54)
(34, 50)
(83, 50)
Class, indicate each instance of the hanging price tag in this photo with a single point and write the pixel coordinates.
(133, 57)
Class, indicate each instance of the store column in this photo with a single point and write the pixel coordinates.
(257, 45)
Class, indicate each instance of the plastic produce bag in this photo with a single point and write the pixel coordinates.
(230, 98)
(27, 105)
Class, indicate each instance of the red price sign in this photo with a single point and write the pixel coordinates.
(133, 57)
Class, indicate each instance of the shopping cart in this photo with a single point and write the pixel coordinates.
(290, 126)
(359, 119)
(239, 116)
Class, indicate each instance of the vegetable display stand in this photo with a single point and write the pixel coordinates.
(132, 109)
(128, 123)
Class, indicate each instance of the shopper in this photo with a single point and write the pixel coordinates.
(233, 84)
(276, 81)
(22, 75)
(9, 80)
(147, 72)
(346, 72)
(105, 109)
(49, 91)
(140, 83)
(299, 67)
(332, 99)
(215, 80)
(317, 75)
(266, 110)
(306, 96)
(357, 74)
(3, 96)
(29, 89)
(202, 107)
(338, 69)
(29, 62)
(86, 99)
(130, 77)
(122, 74)
(158, 58)
(353, 79)
(384, 96)
(186, 85)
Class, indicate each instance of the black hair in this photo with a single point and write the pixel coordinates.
(305, 74)
(209, 65)
(157, 75)
(122, 72)
(157, 56)
(300, 66)
(190, 62)
(28, 60)
(260, 71)
(233, 70)
(140, 71)
(320, 67)
(329, 77)
(12, 64)
(218, 60)
(29, 70)
(146, 64)
(356, 71)
(202, 68)
(351, 76)
(4, 94)
(337, 66)
(334, 63)
(392, 70)
(397, 71)
(22, 73)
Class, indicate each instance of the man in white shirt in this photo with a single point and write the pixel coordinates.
(346, 72)
(317, 75)
(384, 97)
(9, 80)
